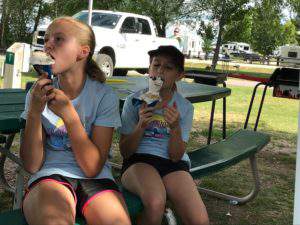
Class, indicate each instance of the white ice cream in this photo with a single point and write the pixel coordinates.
(153, 91)
(40, 58)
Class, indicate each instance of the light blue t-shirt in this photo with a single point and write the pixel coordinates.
(97, 105)
(155, 140)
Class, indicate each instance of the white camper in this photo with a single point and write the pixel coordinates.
(192, 46)
(289, 55)
(236, 47)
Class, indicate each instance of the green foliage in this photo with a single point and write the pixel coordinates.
(221, 11)
(207, 33)
(266, 29)
(289, 33)
(239, 29)
(261, 26)
(161, 11)
(19, 19)
(207, 46)
(70, 7)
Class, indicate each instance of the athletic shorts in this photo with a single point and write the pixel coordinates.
(83, 190)
(162, 165)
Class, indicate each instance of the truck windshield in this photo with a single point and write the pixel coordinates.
(99, 19)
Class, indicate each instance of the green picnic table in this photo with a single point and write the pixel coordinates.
(12, 103)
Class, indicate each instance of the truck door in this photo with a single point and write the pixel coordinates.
(130, 53)
(148, 40)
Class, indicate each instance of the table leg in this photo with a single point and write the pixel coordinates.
(211, 121)
(4, 150)
(19, 188)
(224, 114)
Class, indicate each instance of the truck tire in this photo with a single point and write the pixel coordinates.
(106, 64)
(120, 72)
(142, 71)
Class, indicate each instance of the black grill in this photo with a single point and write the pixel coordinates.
(286, 83)
(206, 77)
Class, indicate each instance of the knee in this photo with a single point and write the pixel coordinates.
(154, 203)
(58, 221)
(51, 219)
(121, 221)
(198, 221)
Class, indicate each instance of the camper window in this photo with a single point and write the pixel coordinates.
(292, 54)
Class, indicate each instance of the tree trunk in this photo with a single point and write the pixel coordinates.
(37, 18)
(218, 45)
(2, 24)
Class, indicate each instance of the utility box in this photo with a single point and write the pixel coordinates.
(16, 61)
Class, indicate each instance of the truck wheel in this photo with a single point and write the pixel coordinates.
(106, 64)
(142, 71)
(120, 72)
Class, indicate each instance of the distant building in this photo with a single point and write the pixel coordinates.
(189, 41)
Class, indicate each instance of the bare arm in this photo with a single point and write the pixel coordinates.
(32, 141)
(90, 154)
(129, 143)
(32, 144)
(176, 144)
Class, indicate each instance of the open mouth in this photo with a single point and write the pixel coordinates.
(156, 78)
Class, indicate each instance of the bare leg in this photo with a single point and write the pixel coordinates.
(49, 203)
(107, 208)
(182, 192)
(143, 180)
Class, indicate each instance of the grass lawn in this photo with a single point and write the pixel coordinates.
(250, 70)
(276, 163)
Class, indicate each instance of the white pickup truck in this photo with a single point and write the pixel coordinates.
(122, 40)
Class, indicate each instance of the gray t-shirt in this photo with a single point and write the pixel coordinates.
(96, 105)
(156, 136)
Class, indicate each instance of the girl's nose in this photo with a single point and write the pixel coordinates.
(160, 70)
(48, 46)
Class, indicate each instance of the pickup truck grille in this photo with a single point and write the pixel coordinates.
(40, 41)
(41, 33)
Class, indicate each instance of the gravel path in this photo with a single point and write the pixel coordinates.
(240, 82)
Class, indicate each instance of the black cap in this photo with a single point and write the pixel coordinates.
(168, 50)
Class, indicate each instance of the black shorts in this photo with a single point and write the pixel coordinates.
(162, 165)
(83, 190)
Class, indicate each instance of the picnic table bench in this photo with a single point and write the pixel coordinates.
(212, 158)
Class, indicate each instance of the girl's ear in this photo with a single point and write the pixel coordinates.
(84, 52)
(180, 76)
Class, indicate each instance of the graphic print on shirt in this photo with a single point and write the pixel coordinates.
(56, 131)
(157, 128)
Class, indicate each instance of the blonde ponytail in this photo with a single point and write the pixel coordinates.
(94, 71)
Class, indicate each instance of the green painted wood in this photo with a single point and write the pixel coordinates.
(10, 58)
(12, 102)
(220, 155)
